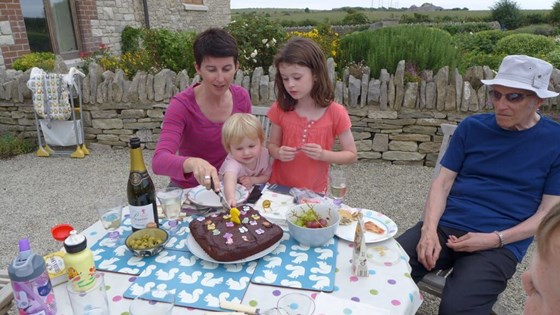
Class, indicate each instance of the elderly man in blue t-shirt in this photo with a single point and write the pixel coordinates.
(500, 176)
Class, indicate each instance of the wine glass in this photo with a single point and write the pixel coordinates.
(295, 304)
(170, 199)
(153, 302)
(337, 185)
(110, 214)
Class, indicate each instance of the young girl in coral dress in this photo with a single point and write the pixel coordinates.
(305, 119)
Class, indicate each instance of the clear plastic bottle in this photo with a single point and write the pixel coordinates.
(32, 287)
(79, 261)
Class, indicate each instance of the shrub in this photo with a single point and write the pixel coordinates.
(553, 57)
(96, 56)
(258, 39)
(171, 50)
(43, 60)
(473, 58)
(325, 36)
(427, 48)
(11, 146)
(355, 18)
(507, 12)
(415, 18)
(468, 27)
(538, 29)
(484, 42)
(554, 15)
(525, 44)
(132, 38)
(140, 60)
(535, 18)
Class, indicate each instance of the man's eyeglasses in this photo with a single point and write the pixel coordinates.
(511, 97)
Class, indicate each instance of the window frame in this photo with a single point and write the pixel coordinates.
(52, 31)
(189, 6)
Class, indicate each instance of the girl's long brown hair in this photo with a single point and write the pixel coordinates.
(304, 52)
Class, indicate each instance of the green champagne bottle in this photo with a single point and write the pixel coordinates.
(140, 190)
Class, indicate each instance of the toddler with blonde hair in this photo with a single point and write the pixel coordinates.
(248, 161)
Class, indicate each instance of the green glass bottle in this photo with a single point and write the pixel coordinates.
(140, 190)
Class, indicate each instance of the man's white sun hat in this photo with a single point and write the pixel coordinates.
(524, 72)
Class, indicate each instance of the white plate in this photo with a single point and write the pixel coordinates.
(196, 250)
(201, 196)
(279, 207)
(346, 232)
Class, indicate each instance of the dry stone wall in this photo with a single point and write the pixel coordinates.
(392, 120)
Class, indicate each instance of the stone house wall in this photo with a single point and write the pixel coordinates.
(114, 15)
(392, 120)
(13, 38)
(102, 22)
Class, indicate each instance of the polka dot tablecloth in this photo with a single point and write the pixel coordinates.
(388, 287)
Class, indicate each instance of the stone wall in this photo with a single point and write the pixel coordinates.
(392, 120)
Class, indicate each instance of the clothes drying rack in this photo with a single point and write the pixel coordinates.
(56, 118)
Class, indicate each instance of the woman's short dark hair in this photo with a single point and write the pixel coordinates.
(214, 42)
(304, 52)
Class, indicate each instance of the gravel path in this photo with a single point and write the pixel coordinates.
(38, 193)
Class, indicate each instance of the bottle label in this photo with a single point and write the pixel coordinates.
(35, 297)
(140, 216)
(136, 178)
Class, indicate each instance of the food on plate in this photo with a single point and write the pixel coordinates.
(370, 226)
(223, 240)
(347, 216)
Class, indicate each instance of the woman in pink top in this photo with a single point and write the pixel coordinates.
(189, 149)
(305, 120)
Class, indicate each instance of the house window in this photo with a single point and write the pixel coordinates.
(51, 26)
(195, 5)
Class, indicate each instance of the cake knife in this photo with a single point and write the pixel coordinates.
(223, 200)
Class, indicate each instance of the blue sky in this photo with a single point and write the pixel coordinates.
(329, 4)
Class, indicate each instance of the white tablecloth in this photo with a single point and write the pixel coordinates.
(388, 286)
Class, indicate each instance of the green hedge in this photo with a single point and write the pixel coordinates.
(423, 47)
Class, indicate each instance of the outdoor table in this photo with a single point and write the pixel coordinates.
(389, 285)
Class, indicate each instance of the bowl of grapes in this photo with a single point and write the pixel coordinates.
(313, 224)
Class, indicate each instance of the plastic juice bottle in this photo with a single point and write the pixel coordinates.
(79, 261)
(31, 283)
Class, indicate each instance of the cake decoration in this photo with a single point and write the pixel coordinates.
(226, 241)
(234, 213)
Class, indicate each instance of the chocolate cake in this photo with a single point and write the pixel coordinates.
(224, 240)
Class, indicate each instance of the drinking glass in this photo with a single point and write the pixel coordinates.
(91, 301)
(296, 304)
(170, 199)
(153, 302)
(337, 185)
(110, 213)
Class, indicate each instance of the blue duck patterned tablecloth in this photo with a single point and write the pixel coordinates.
(297, 266)
(115, 256)
(195, 282)
(201, 284)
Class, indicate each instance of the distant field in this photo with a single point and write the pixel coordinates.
(298, 15)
